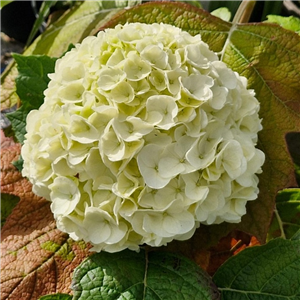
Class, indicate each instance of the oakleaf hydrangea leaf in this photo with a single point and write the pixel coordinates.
(143, 275)
(269, 272)
(36, 258)
(286, 221)
(271, 62)
(269, 56)
(31, 82)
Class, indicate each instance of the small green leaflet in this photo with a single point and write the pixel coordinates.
(290, 23)
(8, 202)
(222, 13)
(19, 163)
(141, 276)
(271, 271)
(31, 83)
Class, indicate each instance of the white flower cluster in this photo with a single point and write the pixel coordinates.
(143, 135)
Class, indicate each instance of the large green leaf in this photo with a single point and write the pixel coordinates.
(269, 56)
(269, 272)
(141, 276)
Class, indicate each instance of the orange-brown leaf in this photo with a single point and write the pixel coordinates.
(36, 258)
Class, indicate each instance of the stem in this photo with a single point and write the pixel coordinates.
(279, 223)
(244, 12)
(146, 272)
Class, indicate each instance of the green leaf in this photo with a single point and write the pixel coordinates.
(80, 21)
(3, 3)
(33, 78)
(222, 13)
(19, 163)
(286, 221)
(8, 202)
(137, 276)
(56, 297)
(264, 272)
(18, 122)
(30, 83)
(290, 23)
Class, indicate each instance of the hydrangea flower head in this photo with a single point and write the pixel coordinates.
(143, 135)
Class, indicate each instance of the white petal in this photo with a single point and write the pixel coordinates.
(109, 78)
(197, 86)
(135, 68)
(64, 195)
(196, 188)
(156, 56)
(161, 111)
(148, 160)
